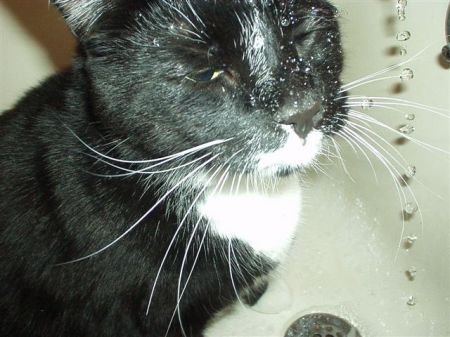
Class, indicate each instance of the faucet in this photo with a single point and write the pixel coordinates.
(446, 49)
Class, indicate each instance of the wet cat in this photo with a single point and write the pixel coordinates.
(154, 182)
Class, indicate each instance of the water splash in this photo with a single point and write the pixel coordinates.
(411, 273)
(401, 9)
(403, 36)
(410, 241)
(410, 116)
(367, 103)
(407, 129)
(407, 74)
(411, 171)
(411, 208)
(412, 301)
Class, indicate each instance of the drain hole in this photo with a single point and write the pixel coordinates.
(321, 325)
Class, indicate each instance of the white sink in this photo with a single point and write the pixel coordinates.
(350, 257)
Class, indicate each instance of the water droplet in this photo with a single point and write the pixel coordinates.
(411, 273)
(412, 301)
(403, 36)
(410, 241)
(401, 9)
(156, 42)
(411, 208)
(367, 103)
(411, 171)
(285, 21)
(403, 51)
(407, 74)
(410, 117)
(407, 129)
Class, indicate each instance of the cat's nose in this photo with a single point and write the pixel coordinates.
(302, 120)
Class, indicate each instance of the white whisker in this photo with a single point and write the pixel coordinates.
(132, 227)
(384, 71)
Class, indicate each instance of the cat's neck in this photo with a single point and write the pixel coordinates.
(262, 214)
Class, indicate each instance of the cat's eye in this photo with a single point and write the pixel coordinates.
(205, 75)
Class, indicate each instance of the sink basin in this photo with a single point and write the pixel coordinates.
(354, 256)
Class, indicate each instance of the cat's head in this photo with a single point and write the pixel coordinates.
(170, 75)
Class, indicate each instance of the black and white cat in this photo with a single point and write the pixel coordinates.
(155, 181)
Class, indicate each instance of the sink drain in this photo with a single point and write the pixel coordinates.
(321, 325)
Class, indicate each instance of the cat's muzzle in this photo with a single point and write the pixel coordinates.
(302, 120)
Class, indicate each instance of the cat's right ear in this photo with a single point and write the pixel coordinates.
(81, 15)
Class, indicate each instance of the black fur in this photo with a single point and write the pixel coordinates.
(128, 96)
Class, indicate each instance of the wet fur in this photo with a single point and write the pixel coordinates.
(63, 197)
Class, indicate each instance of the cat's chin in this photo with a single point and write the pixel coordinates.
(293, 155)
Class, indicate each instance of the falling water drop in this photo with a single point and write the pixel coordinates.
(367, 103)
(403, 36)
(411, 171)
(410, 241)
(401, 9)
(407, 129)
(402, 3)
(410, 116)
(285, 21)
(412, 301)
(403, 51)
(411, 208)
(407, 74)
(411, 273)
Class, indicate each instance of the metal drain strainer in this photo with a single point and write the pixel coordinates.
(321, 325)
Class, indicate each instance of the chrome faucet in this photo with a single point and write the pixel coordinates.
(446, 49)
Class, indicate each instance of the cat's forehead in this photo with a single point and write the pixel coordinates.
(252, 34)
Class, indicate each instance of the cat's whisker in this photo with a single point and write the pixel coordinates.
(230, 265)
(183, 15)
(179, 228)
(346, 87)
(157, 203)
(395, 174)
(403, 166)
(369, 82)
(392, 99)
(145, 171)
(199, 19)
(368, 130)
(351, 141)
(173, 156)
(354, 113)
(344, 166)
(388, 106)
(220, 184)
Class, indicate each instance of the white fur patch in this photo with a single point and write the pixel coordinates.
(294, 154)
(264, 220)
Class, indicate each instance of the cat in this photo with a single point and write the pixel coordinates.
(155, 182)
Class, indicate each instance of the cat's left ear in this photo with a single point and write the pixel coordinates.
(81, 15)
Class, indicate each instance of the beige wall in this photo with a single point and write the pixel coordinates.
(34, 41)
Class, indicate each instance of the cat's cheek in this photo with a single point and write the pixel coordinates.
(293, 154)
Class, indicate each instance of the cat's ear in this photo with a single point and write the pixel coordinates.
(81, 15)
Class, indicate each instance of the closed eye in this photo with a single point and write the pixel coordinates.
(205, 75)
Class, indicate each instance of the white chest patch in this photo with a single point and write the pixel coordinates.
(264, 220)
